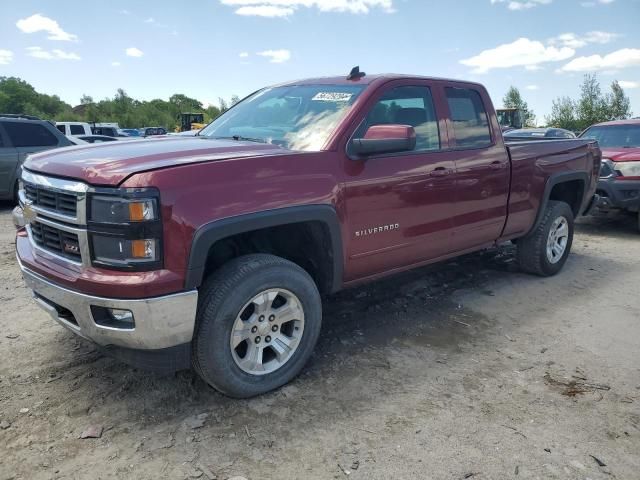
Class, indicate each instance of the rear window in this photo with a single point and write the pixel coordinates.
(615, 135)
(470, 121)
(77, 129)
(23, 134)
(61, 128)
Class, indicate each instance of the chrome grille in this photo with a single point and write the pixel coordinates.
(56, 241)
(64, 203)
(57, 216)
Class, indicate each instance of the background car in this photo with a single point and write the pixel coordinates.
(21, 135)
(539, 134)
(131, 132)
(150, 131)
(619, 184)
(74, 128)
(97, 138)
(76, 140)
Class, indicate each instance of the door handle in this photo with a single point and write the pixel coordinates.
(440, 172)
(497, 165)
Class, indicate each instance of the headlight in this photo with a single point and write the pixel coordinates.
(107, 209)
(627, 170)
(125, 229)
(123, 251)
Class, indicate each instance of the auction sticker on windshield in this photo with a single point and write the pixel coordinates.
(332, 97)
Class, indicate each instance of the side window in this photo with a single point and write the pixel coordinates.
(470, 121)
(61, 128)
(407, 106)
(77, 129)
(23, 134)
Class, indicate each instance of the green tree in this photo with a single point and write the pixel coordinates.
(513, 99)
(563, 114)
(592, 105)
(618, 104)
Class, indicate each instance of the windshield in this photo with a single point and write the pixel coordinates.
(299, 117)
(620, 136)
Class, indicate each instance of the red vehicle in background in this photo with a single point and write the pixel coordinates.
(213, 251)
(619, 184)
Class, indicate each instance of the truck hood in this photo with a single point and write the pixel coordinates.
(111, 163)
(622, 154)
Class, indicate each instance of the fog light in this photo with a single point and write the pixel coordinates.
(113, 317)
(121, 315)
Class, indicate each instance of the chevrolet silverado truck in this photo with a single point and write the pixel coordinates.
(214, 251)
(619, 184)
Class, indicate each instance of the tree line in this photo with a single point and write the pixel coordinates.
(593, 106)
(19, 97)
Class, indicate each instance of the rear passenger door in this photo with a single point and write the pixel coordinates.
(400, 206)
(482, 169)
(8, 163)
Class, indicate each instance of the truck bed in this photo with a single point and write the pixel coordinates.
(533, 162)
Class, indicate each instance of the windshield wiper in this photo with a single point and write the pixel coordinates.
(239, 138)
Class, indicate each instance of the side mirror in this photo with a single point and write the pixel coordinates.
(385, 139)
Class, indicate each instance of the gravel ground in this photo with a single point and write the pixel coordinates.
(467, 369)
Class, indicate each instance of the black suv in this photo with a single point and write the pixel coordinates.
(21, 135)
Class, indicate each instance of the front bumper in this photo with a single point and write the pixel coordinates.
(623, 194)
(159, 322)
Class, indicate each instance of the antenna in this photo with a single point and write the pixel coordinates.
(356, 74)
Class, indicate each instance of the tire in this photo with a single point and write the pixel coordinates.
(226, 301)
(533, 255)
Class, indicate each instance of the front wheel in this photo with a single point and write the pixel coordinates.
(544, 251)
(259, 318)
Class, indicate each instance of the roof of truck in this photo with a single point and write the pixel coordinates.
(631, 121)
(367, 79)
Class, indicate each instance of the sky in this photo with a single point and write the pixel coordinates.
(218, 48)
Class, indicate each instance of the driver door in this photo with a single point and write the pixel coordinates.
(400, 206)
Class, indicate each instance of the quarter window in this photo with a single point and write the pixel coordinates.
(470, 121)
(23, 134)
(77, 129)
(407, 106)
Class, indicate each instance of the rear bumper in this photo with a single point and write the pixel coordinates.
(624, 194)
(158, 323)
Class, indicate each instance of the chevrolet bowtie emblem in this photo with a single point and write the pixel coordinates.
(28, 212)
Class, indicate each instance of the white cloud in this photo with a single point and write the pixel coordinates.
(6, 57)
(243, 54)
(39, 23)
(285, 8)
(572, 40)
(55, 54)
(623, 58)
(522, 5)
(115, 64)
(629, 84)
(133, 52)
(532, 87)
(150, 20)
(594, 3)
(270, 11)
(521, 53)
(124, 12)
(276, 56)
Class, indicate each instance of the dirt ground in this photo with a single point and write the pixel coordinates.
(464, 370)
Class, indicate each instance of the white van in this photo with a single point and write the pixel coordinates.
(74, 128)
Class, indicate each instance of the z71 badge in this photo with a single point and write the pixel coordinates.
(373, 230)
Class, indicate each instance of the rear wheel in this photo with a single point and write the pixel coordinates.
(545, 250)
(258, 321)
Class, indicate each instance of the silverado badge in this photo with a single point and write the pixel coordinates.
(379, 229)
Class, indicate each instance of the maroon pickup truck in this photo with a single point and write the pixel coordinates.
(214, 251)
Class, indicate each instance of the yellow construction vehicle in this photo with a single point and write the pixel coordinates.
(190, 121)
